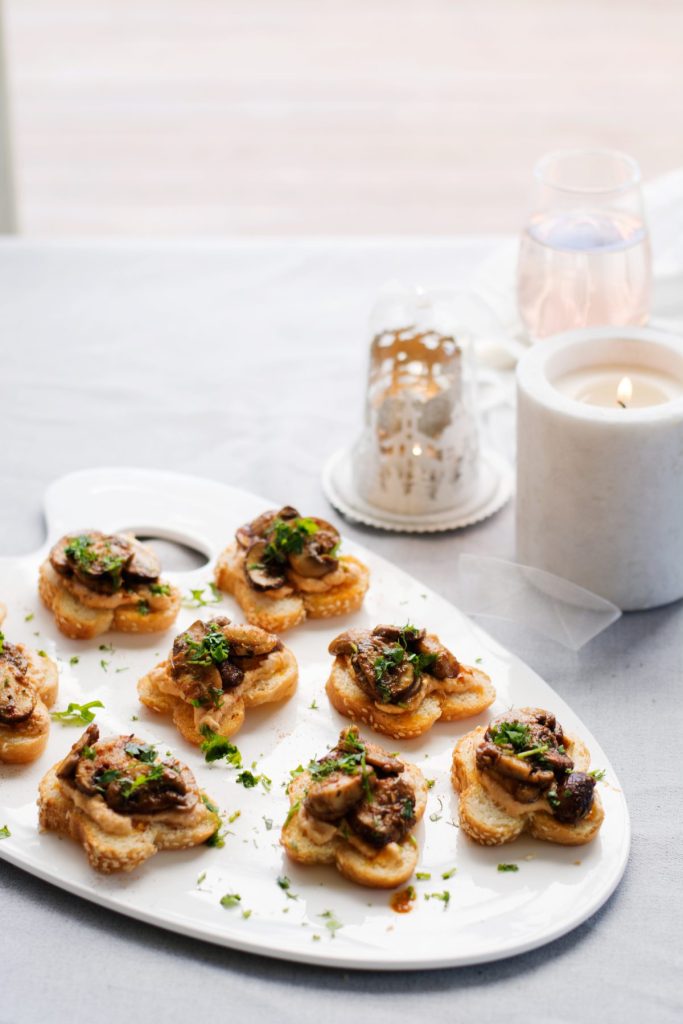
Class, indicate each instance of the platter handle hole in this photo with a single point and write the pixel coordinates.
(178, 553)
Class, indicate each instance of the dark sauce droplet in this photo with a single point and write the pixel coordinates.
(402, 902)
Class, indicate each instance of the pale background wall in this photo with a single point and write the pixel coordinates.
(313, 116)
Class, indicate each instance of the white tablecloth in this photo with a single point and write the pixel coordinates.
(245, 362)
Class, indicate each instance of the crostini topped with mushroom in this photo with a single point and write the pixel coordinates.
(122, 802)
(523, 773)
(401, 679)
(215, 671)
(283, 567)
(94, 581)
(356, 807)
(28, 687)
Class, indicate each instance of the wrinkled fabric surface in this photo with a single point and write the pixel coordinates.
(246, 362)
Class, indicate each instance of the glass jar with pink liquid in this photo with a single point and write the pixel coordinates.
(584, 257)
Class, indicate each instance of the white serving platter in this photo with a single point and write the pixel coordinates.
(490, 914)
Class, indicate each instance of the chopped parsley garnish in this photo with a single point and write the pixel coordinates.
(2, 641)
(144, 752)
(29, 618)
(77, 714)
(196, 598)
(201, 878)
(268, 822)
(231, 899)
(430, 783)
(143, 608)
(88, 753)
(249, 780)
(104, 665)
(598, 774)
(332, 923)
(104, 778)
(448, 874)
(160, 589)
(292, 811)
(216, 840)
(287, 538)
(514, 734)
(74, 659)
(285, 884)
(215, 747)
(313, 705)
(408, 809)
(213, 649)
(130, 786)
(423, 876)
(5, 832)
(42, 654)
(444, 896)
(508, 867)
(107, 648)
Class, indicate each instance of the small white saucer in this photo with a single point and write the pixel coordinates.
(493, 489)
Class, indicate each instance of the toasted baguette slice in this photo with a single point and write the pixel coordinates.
(276, 614)
(82, 622)
(109, 853)
(349, 699)
(493, 818)
(153, 693)
(26, 741)
(376, 869)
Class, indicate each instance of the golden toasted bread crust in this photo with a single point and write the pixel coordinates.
(138, 611)
(153, 691)
(277, 614)
(491, 818)
(383, 869)
(474, 692)
(109, 853)
(26, 741)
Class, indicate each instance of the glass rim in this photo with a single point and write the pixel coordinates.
(616, 154)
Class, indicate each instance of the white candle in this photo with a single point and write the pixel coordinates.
(631, 387)
(600, 485)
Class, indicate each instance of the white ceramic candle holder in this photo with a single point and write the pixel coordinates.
(600, 488)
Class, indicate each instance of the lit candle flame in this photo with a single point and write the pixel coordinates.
(417, 450)
(624, 392)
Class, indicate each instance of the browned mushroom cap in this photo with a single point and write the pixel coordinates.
(58, 560)
(97, 559)
(249, 532)
(329, 799)
(445, 664)
(17, 697)
(126, 773)
(317, 558)
(347, 642)
(67, 769)
(202, 682)
(144, 566)
(262, 575)
(409, 634)
(574, 798)
(388, 816)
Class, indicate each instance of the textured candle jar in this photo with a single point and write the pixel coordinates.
(419, 451)
(600, 490)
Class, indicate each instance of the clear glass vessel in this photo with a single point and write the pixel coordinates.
(584, 257)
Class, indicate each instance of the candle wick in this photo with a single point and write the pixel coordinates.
(622, 404)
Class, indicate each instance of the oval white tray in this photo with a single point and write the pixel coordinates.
(490, 914)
